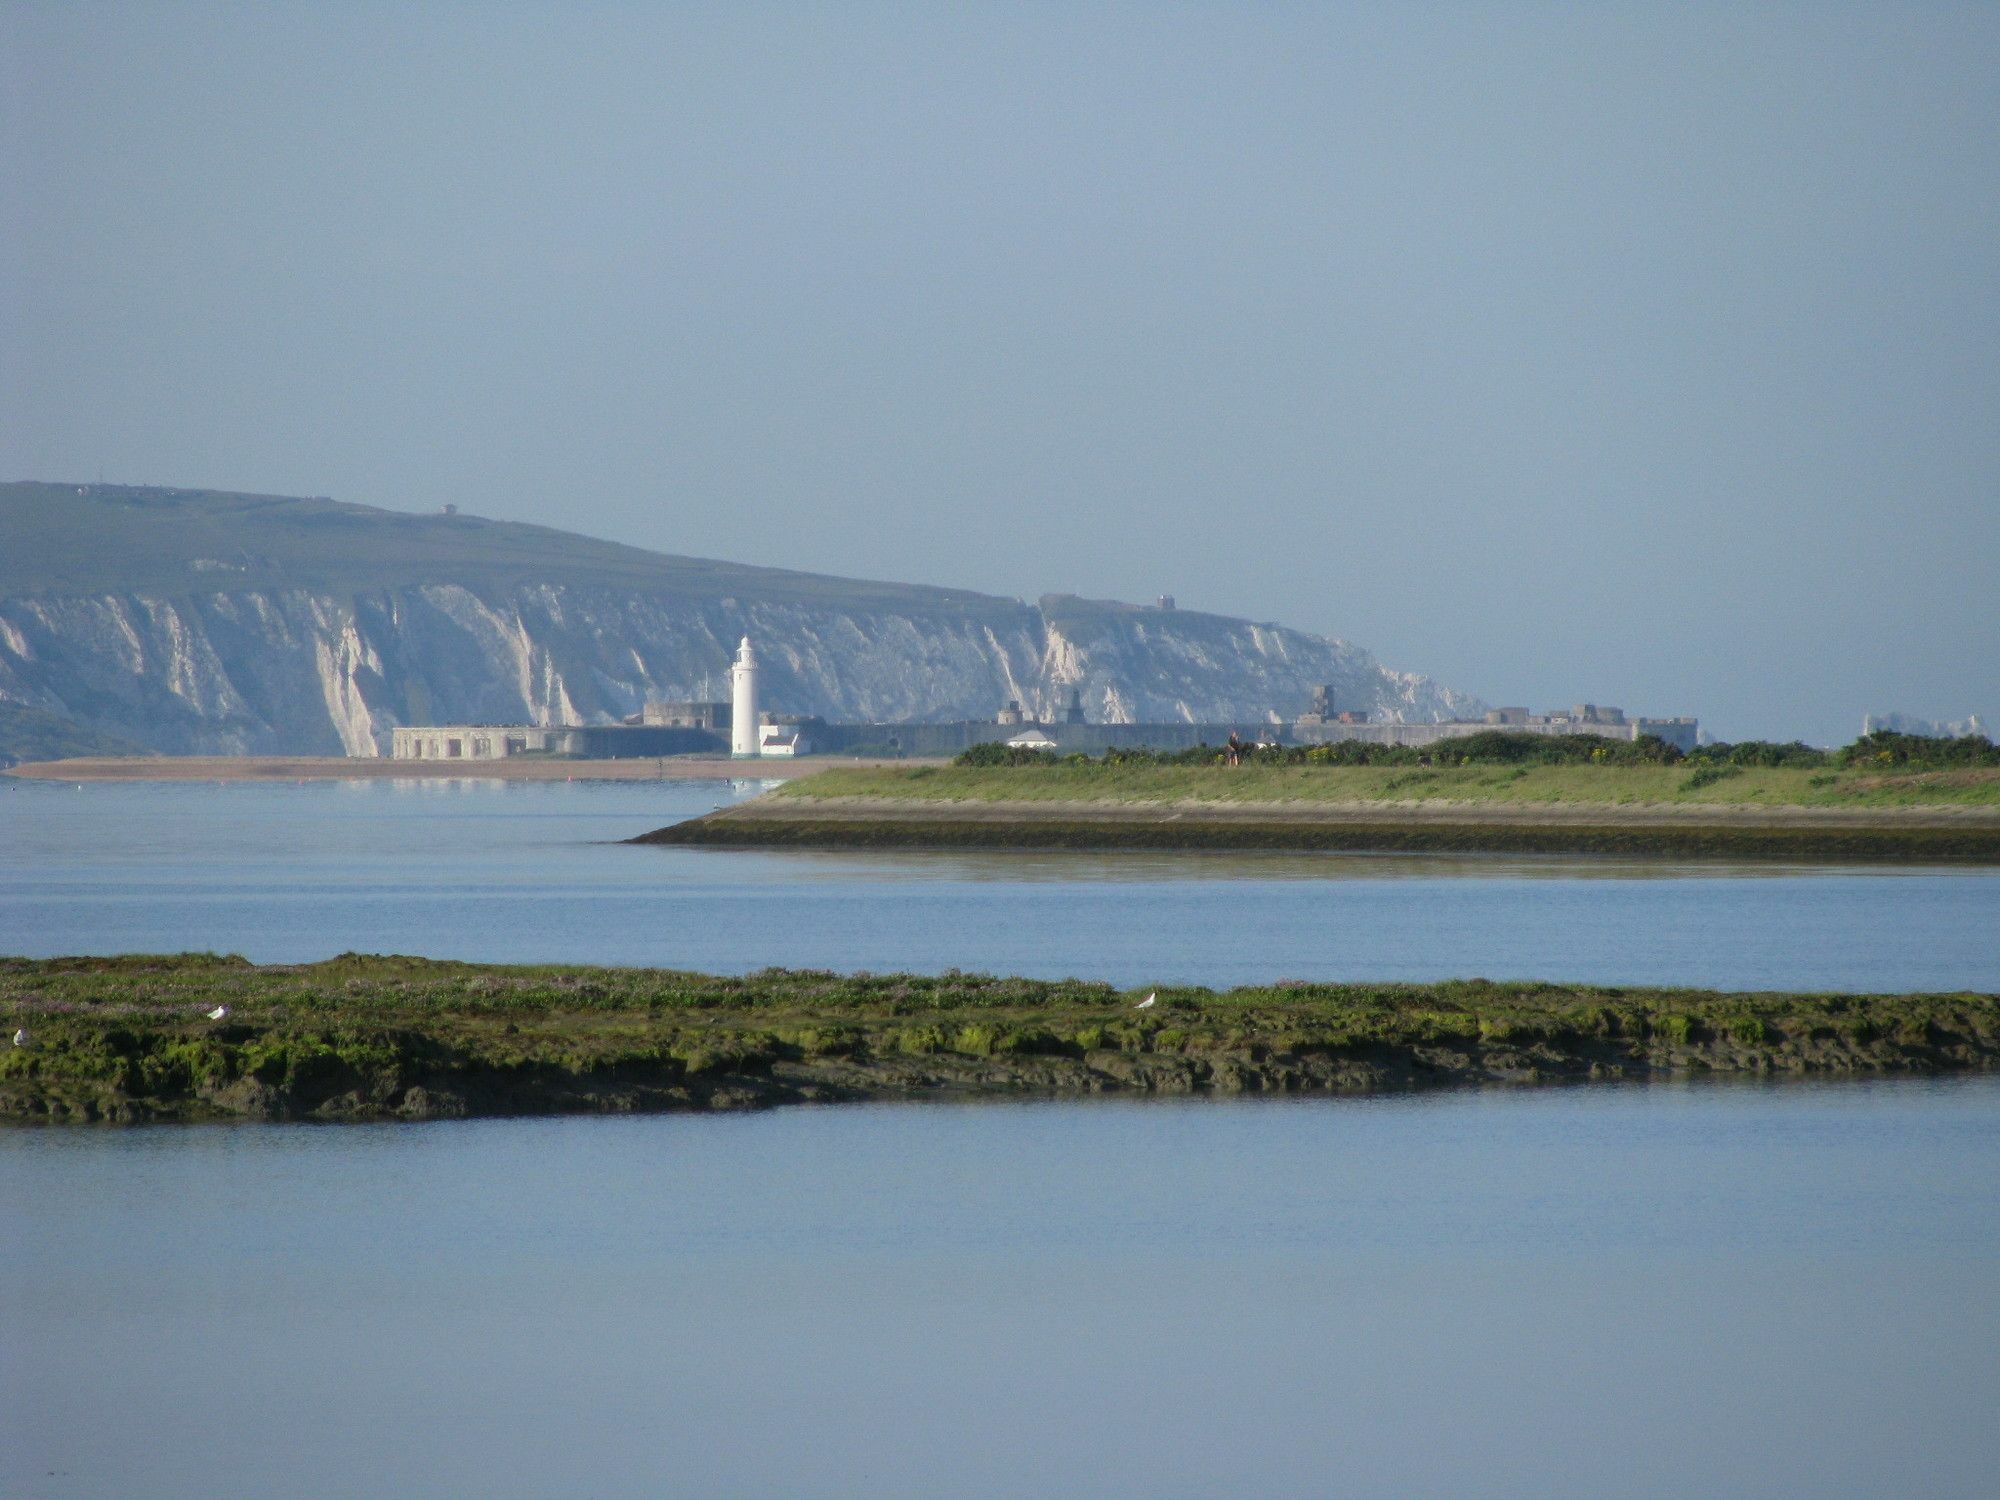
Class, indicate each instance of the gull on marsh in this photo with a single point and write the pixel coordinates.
(218, 1013)
(21, 1037)
(1147, 1001)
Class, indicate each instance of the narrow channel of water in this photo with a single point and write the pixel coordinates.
(531, 872)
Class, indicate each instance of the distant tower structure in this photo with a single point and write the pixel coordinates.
(743, 702)
(1075, 713)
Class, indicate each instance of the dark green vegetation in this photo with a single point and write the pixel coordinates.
(1498, 747)
(122, 539)
(29, 734)
(1494, 748)
(128, 1039)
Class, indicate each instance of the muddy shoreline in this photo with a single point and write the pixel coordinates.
(1918, 834)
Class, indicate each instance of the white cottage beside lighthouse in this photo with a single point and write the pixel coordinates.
(743, 703)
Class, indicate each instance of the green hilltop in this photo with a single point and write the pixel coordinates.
(87, 539)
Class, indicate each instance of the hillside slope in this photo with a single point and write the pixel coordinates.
(206, 622)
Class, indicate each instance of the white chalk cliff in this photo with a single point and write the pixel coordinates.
(196, 622)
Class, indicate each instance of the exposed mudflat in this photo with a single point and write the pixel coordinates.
(197, 1037)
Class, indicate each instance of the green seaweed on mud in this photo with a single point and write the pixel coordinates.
(362, 1037)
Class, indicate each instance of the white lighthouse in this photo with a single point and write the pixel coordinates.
(743, 702)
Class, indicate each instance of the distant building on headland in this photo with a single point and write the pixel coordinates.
(1930, 729)
(1322, 725)
(692, 715)
(738, 728)
(1321, 711)
(675, 727)
(784, 740)
(582, 741)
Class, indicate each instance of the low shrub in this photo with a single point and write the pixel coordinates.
(1767, 753)
(1919, 752)
(1707, 774)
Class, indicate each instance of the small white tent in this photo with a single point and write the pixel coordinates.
(1031, 739)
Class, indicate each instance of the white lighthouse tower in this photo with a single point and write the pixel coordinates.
(743, 702)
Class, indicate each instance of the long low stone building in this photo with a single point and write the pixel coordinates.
(584, 741)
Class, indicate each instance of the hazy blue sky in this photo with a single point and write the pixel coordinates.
(1648, 355)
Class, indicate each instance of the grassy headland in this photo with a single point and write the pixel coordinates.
(1095, 781)
(359, 1038)
(1886, 798)
(66, 539)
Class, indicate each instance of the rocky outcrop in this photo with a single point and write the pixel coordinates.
(455, 620)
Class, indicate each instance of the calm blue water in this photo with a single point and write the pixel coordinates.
(1667, 1291)
(1605, 1291)
(526, 872)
